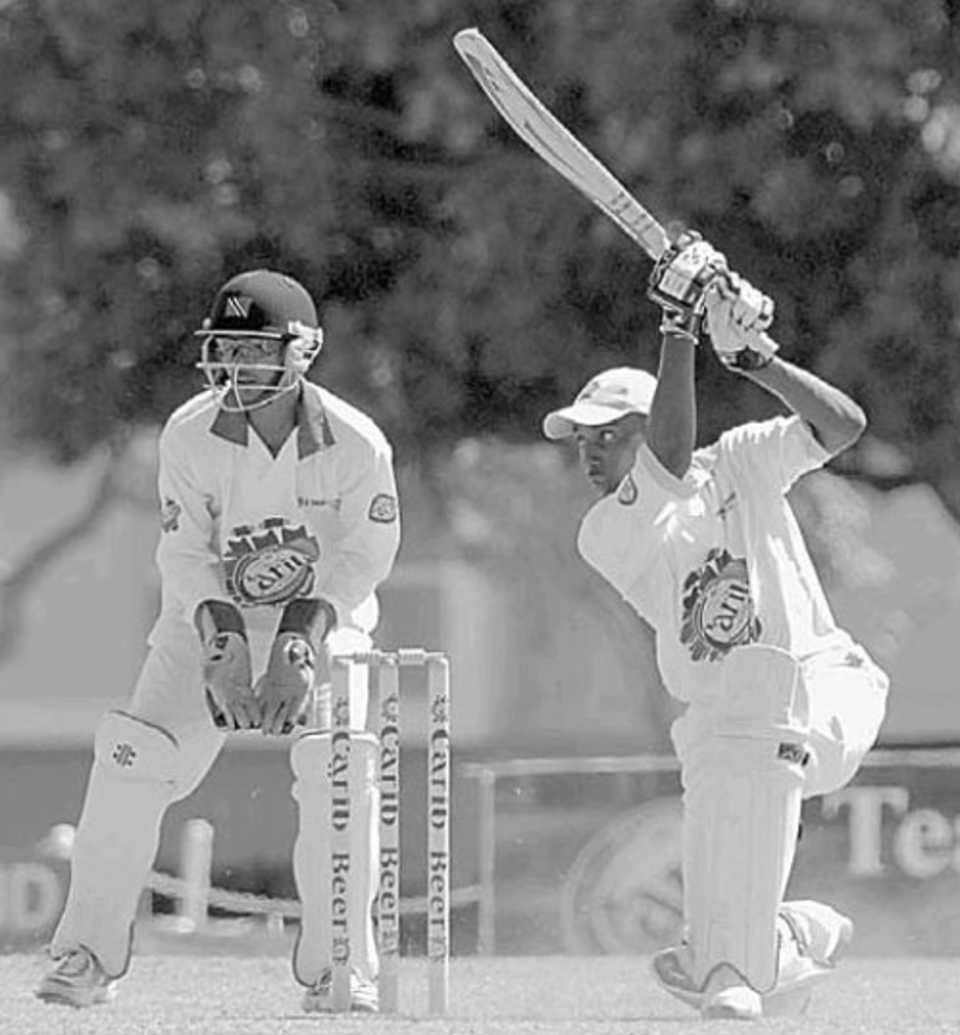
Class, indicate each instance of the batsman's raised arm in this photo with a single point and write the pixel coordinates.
(834, 418)
(672, 424)
(688, 274)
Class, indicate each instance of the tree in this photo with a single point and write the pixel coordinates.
(153, 150)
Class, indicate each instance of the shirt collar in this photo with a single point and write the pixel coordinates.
(312, 426)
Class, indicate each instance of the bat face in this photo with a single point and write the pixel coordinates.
(554, 143)
(558, 147)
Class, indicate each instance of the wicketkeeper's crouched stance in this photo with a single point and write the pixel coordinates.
(781, 703)
(279, 519)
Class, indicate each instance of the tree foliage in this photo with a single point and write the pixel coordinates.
(152, 150)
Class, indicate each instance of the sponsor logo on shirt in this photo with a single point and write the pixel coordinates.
(718, 610)
(270, 563)
(169, 515)
(313, 501)
(383, 509)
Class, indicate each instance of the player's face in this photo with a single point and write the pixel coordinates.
(255, 362)
(607, 451)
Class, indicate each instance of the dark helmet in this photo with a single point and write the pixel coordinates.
(260, 304)
(263, 303)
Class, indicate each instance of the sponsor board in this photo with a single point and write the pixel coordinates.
(32, 891)
(590, 862)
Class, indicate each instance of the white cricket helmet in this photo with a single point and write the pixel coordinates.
(260, 305)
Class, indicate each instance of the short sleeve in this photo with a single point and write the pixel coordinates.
(619, 535)
(779, 450)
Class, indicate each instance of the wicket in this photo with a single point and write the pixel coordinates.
(385, 690)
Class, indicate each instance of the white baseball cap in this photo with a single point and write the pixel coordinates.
(605, 397)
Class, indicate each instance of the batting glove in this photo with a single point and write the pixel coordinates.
(737, 318)
(680, 280)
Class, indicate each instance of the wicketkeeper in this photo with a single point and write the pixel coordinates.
(279, 520)
(782, 704)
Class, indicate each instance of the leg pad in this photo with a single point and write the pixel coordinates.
(743, 771)
(131, 784)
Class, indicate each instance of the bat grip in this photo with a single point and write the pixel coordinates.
(769, 347)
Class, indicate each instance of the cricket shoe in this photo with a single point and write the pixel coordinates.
(728, 997)
(364, 994)
(77, 980)
(813, 937)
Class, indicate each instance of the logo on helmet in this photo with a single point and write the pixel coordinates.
(238, 306)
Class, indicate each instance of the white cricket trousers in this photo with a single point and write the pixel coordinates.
(847, 696)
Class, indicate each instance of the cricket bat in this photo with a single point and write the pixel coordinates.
(558, 147)
(555, 144)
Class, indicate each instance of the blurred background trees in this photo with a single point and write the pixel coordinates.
(152, 150)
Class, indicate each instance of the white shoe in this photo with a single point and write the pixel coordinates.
(364, 994)
(809, 954)
(728, 997)
(726, 994)
(671, 969)
(821, 932)
(77, 980)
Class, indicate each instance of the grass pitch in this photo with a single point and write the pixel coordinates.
(230, 995)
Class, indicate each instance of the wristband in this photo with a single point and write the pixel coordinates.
(748, 360)
(681, 325)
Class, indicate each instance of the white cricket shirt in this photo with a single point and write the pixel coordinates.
(318, 520)
(716, 560)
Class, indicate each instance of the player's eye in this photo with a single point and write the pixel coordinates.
(607, 435)
(250, 351)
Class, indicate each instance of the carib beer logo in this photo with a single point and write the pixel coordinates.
(269, 563)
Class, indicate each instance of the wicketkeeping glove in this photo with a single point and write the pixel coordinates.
(285, 690)
(737, 317)
(298, 665)
(226, 673)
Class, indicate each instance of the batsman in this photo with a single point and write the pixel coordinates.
(781, 703)
(278, 514)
